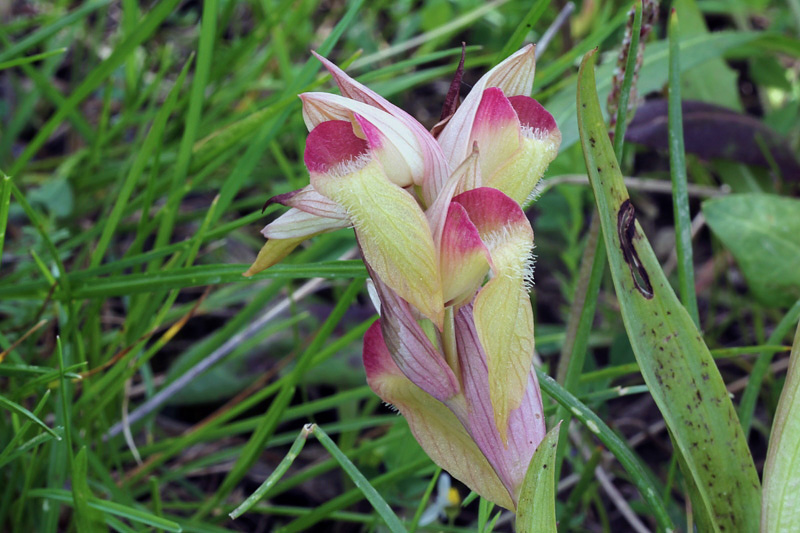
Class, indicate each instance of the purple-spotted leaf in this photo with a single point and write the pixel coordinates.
(675, 362)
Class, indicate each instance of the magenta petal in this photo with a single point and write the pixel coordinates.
(496, 131)
(411, 348)
(532, 115)
(491, 210)
(436, 167)
(332, 144)
(494, 112)
(463, 258)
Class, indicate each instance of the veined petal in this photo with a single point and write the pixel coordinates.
(435, 427)
(540, 141)
(526, 426)
(310, 201)
(295, 223)
(436, 169)
(391, 228)
(496, 131)
(464, 259)
(412, 350)
(514, 76)
(395, 144)
(502, 309)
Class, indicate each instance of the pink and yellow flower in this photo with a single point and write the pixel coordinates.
(448, 248)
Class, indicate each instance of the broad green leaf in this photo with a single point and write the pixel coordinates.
(675, 362)
(782, 469)
(763, 233)
(536, 511)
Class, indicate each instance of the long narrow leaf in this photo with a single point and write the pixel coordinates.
(179, 278)
(674, 360)
(17, 408)
(5, 201)
(677, 169)
(112, 508)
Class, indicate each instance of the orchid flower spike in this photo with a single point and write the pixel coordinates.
(448, 248)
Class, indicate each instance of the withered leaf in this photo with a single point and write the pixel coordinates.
(714, 132)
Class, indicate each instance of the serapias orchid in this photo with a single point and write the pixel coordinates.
(448, 248)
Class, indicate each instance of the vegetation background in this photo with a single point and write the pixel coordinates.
(146, 385)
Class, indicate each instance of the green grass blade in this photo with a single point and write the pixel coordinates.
(782, 469)
(423, 502)
(48, 30)
(86, 518)
(627, 82)
(677, 167)
(51, 247)
(530, 19)
(627, 458)
(322, 512)
(31, 59)
(274, 414)
(5, 204)
(555, 69)
(274, 477)
(582, 313)
(747, 405)
(112, 508)
(153, 138)
(20, 410)
(24, 429)
(674, 360)
(454, 25)
(95, 78)
(197, 97)
(211, 146)
(180, 278)
(378, 503)
(536, 512)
